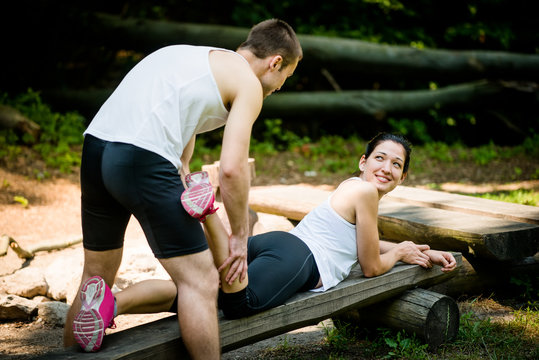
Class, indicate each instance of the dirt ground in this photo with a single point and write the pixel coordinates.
(52, 215)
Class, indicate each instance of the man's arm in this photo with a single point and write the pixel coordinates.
(234, 176)
(186, 158)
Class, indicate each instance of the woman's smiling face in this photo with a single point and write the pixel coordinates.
(384, 166)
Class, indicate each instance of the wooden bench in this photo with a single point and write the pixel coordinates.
(161, 339)
(478, 228)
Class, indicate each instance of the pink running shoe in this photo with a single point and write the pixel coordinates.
(198, 201)
(96, 314)
(197, 177)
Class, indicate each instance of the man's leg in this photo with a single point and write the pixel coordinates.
(102, 263)
(197, 281)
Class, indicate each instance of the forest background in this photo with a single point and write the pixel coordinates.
(60, 59)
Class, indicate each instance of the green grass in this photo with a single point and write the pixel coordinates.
(478, 338)
(521, 196)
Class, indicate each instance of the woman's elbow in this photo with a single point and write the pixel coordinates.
(370, 272)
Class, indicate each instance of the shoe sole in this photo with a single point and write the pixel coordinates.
(197, 200)
(88, 326)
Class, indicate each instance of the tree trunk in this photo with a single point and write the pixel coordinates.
(381, 104)
(431, 316)
(11, 118)
(298, 106)
(338, 55)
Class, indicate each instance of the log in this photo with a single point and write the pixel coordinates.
(465, 204)
(484, 278)
(161, 339)
(28, 253)
(474, 235)
(433, 317)
(357, 104)
(477, 236)
(11, 118)
(382, 104)
(336, 55)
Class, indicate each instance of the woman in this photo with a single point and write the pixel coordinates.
(316, 255)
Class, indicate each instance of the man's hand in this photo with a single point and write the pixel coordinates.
(237, 260)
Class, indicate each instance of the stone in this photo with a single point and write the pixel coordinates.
(13, 307)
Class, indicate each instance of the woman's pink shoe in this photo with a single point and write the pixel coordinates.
(198, 201)
(197, 177)
(96, 314)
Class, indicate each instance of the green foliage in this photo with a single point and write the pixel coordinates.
(415, 130)
(59, 136)
(339, 338)
(281, 139)
(403, 345)
(484, 154)
(481, 338)
(529, 286)
(521, 196)
(21, 200)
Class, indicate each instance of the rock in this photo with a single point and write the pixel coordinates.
(53, 313)
(27, 282)
(63, 278)
(139, 264)
(13, 307)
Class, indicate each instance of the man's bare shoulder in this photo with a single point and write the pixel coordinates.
(233, 74)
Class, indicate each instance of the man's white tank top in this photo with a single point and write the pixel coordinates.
(332, 240)
(169, 96)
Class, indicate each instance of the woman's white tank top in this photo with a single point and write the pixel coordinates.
(332, 240)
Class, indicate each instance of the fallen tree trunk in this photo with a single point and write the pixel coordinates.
(29, 253)
(381, 104)
(433, 317)
(334, 54)
(11, 118)
(363, 103)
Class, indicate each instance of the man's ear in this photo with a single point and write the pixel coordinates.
(276, 62)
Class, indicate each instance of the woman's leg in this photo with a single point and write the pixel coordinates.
(148, 296)
(280, 264)
(217, 237)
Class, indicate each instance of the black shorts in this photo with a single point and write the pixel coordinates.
(119, 180)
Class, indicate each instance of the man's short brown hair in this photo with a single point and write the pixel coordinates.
(273, 37)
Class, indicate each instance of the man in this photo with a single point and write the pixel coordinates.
(136, 148)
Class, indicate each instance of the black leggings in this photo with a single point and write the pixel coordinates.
(280, 265)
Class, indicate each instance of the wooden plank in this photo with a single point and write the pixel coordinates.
(291, 201)
(480, 236)
(466, 204)
(161, 339)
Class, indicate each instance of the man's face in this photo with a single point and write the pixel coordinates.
(275, 77)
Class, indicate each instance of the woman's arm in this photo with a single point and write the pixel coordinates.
(358, 201)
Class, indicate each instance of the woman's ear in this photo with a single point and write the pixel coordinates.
(362, 162)
(403, 177)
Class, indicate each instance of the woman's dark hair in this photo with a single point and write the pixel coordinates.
(273, 37)
(397, 138)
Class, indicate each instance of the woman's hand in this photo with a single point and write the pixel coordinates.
(412, 253)
(443, 258)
